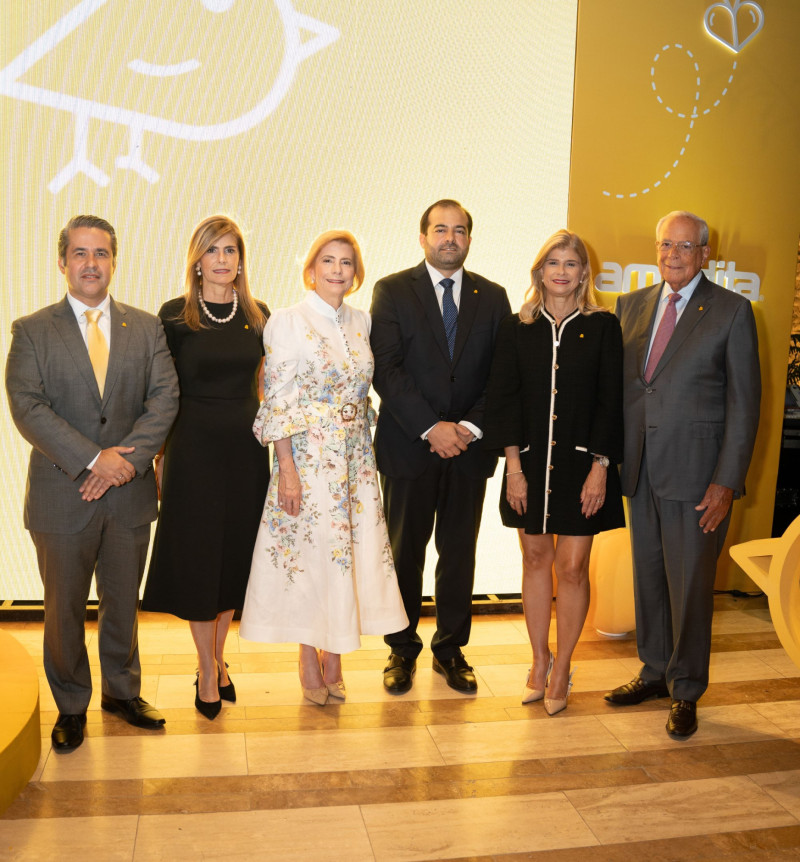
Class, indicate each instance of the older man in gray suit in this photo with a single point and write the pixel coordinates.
(692, 390)
(93, 389)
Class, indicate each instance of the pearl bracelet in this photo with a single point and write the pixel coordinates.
(513, 472)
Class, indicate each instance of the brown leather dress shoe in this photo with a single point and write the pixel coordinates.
(682, 721)
(458, 674)
(135, 711)
(398, 675)
(637, 690)
(67, 733)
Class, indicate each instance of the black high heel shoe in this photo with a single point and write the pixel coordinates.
(226, 692)
(209, 710)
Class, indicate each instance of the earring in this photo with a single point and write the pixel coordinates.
(239, 270)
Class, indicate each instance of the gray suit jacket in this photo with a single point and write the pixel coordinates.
(56, 405)
(696, 420)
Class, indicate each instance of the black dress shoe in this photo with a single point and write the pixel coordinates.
(67, 733)
(398, 675)
(457, 672)
(637, 691)
(682, 721)
(135, 711)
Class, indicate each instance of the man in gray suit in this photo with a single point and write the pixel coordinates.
(95, 397)
(692, 390)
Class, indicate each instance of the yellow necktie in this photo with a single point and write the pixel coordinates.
(98, 347)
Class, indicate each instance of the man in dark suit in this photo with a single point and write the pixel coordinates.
(93, 389)
(433, 331)
(692, 390)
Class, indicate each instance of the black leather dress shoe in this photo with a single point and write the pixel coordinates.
(398, 675)
(67, 733)
(637, 691)
(135, 711)
(682, 721)
(457, 672)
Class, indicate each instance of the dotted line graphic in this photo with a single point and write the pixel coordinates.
(691, 117)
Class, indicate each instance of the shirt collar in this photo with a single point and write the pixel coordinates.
(319, 304)
(79, 308)
(686, 291)
(436, 276)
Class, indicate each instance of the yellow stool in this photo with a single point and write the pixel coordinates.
(611, 608)
(20, 735)
(774, 565)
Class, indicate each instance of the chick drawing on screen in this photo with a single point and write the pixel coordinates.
(197, 70)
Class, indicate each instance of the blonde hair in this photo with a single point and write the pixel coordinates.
(316, 247)
(536, 293)
(205, 234)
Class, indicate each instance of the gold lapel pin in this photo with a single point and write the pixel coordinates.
(700, 308)
(581, 335)
(123, 323)
(475, 291)
(247, 326)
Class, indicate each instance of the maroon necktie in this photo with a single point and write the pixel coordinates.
(663, 334)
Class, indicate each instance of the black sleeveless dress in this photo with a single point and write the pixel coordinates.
(215, 472)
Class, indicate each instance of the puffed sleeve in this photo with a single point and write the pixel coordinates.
(280, 414)
(503, 425)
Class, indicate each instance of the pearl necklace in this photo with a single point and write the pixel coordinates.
(210, 316)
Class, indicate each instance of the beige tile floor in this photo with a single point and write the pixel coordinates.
(430, 775)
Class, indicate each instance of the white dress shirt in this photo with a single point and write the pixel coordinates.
(436, 278)
(685, 294)
(103, 322)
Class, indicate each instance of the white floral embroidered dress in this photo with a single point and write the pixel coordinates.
(326, 576)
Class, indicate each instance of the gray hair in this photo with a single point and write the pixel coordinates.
(702, 224)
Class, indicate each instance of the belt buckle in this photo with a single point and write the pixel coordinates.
(349, 411)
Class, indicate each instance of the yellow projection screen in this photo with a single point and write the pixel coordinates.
(294, 116)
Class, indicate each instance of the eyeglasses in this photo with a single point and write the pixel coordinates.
(666, 245)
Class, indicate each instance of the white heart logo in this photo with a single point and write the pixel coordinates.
(735, 25)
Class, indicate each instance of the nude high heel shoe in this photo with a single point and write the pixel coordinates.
(335, 689)
(315, 695)
(529, 694)
(554, 705)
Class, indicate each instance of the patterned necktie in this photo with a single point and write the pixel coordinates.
(449, 314)
(663, 334)
(98, 347)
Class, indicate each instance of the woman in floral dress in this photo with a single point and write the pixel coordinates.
(322, 571)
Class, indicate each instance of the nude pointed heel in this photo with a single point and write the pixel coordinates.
(554, 705)
(531, 695)
(316, 695)
(335, 689)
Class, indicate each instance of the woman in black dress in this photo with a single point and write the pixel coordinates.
(213, 476)
(554, 404)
